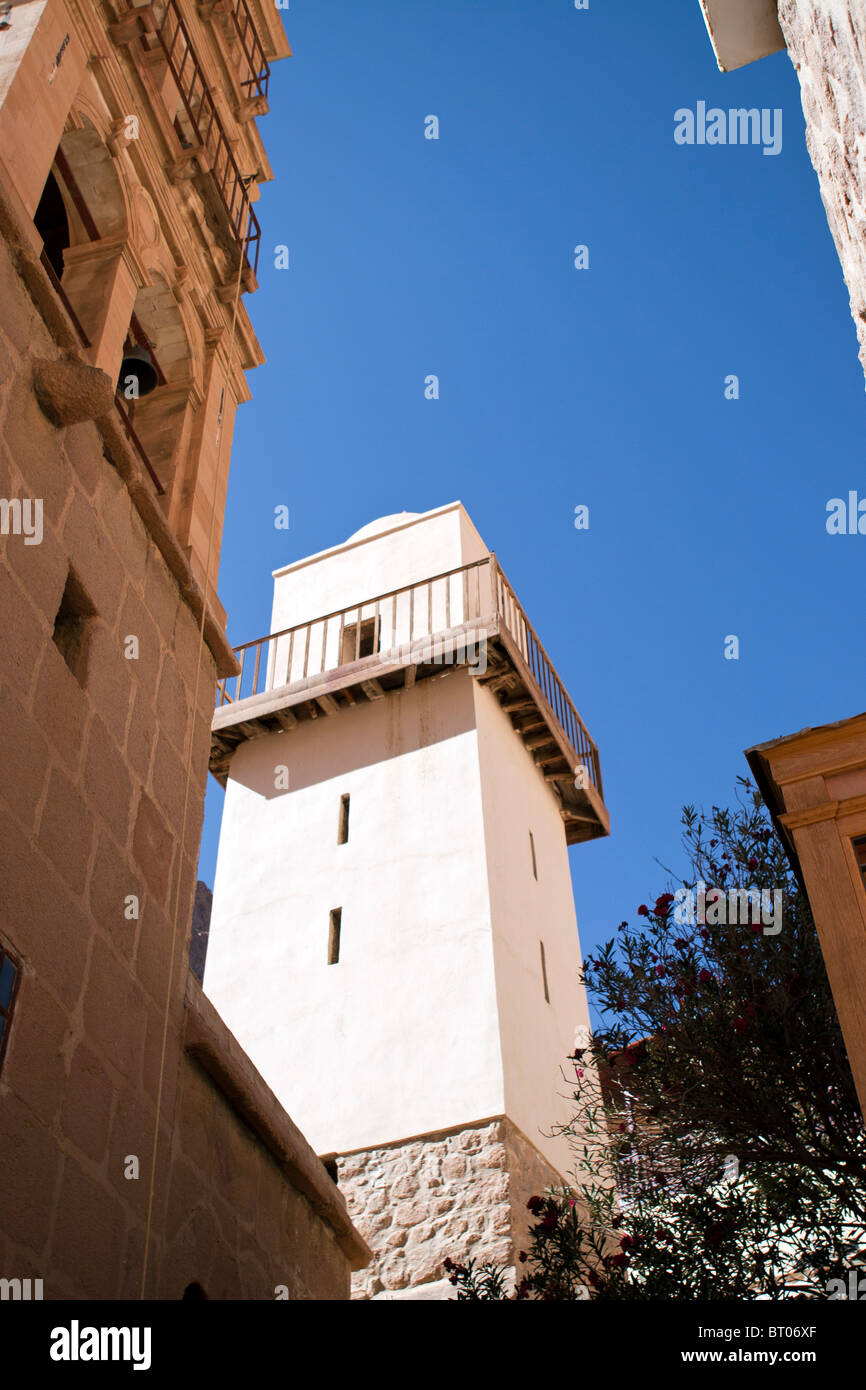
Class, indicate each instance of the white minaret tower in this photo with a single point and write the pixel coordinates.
(393, 938)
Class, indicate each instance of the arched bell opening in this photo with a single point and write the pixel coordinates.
(157, 357)
(82, 219)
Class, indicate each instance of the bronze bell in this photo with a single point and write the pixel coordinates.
(137, 364)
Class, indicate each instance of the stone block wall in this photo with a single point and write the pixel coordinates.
(461, 1194)
(826, 42)
(95, 812)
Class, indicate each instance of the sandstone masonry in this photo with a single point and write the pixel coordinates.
(103, 753)
(461, 1194)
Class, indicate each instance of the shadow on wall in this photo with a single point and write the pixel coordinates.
(404, 722)
(199, 931)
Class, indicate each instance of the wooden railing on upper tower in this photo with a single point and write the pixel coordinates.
(544, 676)
(471, 601)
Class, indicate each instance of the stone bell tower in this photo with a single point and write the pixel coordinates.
(393, 937)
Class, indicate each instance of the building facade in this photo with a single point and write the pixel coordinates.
(140, 1152)
(404, 771)
(814, 784)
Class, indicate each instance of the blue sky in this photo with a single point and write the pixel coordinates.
(558, 387)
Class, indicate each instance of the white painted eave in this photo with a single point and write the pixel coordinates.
(741, 31)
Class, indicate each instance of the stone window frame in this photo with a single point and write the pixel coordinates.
(7, 1009)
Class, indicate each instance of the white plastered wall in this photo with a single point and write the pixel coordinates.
(401, 1036)
(536, 1036)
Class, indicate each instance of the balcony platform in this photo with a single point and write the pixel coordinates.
(494, 641)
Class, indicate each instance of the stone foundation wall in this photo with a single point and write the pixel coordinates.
(826, 42)
(461, 1194)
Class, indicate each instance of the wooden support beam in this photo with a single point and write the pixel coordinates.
(497, 682)
(409, 678)
(540, 740)
(286, 719)
(511, 705)
(310, 705)
(327, 703)
(350, 699)
(372, 690)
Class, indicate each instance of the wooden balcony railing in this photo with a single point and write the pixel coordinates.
(173, 38)
(473, 596)
(544, 675)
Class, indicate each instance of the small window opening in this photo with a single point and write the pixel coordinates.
(860, 851)
(73, 627)
(52, 224)
(544, 973)
(360, 639)
(9, 975)
(343, 828)
(532, 852)
(194, 1293)
(330, 1167)
(334, 935)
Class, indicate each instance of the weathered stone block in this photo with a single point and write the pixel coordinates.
(24, 760)
(153, 847)
(66, 834)
(70, 392)
(107, 783)
(86, 1114)
(86, 1205)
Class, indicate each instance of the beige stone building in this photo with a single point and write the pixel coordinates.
(140, 1151)
(826, 42)
(814, 783)
(404, 771)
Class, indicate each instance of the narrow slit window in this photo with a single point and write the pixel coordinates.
(73, 627)
(9, 975)
(860, 852)
(544, 973)
(343, 828)
(334, 935)
(532, 852)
